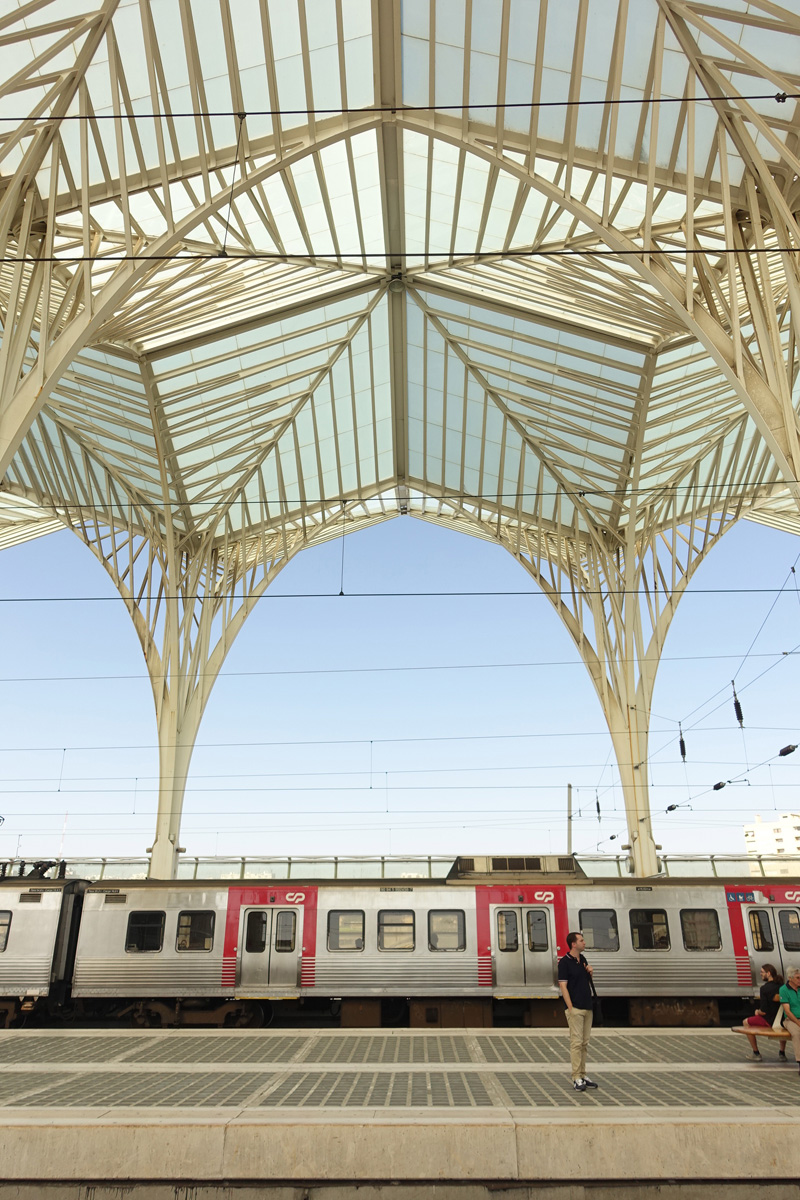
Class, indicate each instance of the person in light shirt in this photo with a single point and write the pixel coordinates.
(789, 996)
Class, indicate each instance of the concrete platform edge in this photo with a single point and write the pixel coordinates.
(503, 1148)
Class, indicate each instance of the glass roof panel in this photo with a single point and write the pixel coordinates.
(257, 343)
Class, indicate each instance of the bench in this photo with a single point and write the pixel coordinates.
(761, 1031)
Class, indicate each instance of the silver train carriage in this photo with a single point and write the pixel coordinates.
(38, 931)
(214, 953)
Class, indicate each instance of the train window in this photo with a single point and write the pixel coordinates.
(395, 929)
(285, 931)
(5, 925)
(145, 932)
(537, 929)
(446, 929)
(701, 929)
(599, 928)
(507, 933)
(195, 931)
(346, 930)
(649, 929)
(790, 929)
(760, 930)
(255, 931)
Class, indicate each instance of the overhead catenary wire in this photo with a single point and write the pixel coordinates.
(791, 575)
(362, 741)
(261, 789)
(397, 109)
(324, 257)
(409, 667)
(63, 509)
(458, 593)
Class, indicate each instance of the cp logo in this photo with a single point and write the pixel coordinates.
(793, 896)
(295, 897)
(543, 896)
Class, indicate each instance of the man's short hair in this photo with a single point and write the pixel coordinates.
(571, 939)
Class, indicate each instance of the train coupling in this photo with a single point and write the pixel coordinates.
(28, 1004)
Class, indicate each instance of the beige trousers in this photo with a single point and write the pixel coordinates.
(580, 1026)
(793, 1030)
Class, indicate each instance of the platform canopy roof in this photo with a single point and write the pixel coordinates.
(317, 257)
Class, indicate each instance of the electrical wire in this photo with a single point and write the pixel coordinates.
(335, 502)
(474, 255)
(433, 595)
(363, 741)
(301, 671)
(331, 788)
(396, 109)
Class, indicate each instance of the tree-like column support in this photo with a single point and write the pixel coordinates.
(177, 734)
(188, 599)
(617, 602)
(207, 594)
(629, 726)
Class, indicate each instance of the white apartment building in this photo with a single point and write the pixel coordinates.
(774, 834)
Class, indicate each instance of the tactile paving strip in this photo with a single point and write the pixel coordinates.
(380, 1089)
(152, 1089)
(383, 1049)
(618, 1047)
(667, 1090)
(202, 1049)
(62, 1048)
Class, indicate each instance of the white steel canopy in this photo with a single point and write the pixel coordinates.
(275, 268)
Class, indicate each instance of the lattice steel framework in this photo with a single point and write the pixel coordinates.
(272, 268)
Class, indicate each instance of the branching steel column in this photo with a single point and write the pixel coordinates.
(617, 600)
(386, 38)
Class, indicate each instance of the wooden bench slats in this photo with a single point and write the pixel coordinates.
(761, 1031)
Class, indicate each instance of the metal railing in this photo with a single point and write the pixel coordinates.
(353, 867)
(697, 866)
(291, 867)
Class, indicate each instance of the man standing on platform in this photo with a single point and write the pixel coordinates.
(574, 979)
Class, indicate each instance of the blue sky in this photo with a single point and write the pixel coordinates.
(333, 729)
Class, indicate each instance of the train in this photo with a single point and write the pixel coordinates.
(468, 949)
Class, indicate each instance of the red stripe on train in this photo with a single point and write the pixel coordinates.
(266, 897)
(552, 897)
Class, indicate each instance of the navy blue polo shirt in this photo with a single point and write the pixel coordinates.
(573, 972)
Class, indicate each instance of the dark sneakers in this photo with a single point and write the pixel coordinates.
(579, 1085)
(588, 1083)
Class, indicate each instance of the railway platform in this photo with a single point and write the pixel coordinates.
(253, 1113)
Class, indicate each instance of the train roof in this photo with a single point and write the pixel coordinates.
(758, 883)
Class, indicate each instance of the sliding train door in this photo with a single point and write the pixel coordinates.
(268, 944)
(522, 943)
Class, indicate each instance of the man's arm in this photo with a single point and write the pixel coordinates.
(790, 1015)
(562, 983)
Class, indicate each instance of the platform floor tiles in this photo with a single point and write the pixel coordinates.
(93, 1070)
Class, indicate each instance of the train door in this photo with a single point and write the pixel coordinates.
(268, 942)
(523, 940)
(789, 932)
(764, 945)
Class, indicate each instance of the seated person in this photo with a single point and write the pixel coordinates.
(769, 1005)
(790, 999)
